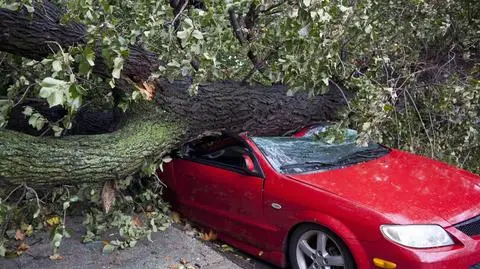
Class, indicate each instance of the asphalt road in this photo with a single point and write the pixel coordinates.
(169, 250)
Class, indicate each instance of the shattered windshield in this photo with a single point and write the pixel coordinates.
(292, 155)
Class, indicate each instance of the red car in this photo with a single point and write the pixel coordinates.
(310, 203)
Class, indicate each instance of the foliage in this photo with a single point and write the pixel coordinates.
(139, 212)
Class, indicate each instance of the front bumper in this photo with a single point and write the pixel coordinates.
(465, 254)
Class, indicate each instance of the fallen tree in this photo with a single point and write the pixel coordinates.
(151, 130)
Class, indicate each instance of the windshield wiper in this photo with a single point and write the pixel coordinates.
(307, 164)
(362, 155)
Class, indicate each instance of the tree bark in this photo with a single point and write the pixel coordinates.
(153, 130)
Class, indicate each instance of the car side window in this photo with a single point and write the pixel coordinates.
(224, 151)
(231, 156)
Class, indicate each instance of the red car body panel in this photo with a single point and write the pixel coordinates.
(417, 180)
(352, 202)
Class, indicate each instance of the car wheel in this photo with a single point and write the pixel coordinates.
(314, 247)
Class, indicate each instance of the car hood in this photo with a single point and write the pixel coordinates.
(405, 188)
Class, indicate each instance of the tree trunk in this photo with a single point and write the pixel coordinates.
(153, 130)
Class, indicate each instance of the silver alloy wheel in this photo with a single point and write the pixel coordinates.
(316, 250)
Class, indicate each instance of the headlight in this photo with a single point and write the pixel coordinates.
(417, 236)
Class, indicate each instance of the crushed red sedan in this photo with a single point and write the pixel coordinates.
(312, 203)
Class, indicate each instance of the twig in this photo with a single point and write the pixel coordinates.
(466, 158)
(9, 216)
(257, 65)
(236, 28)
(13, 191)
(36, 195)
(3, 58)
(180, 11)
(343, 94)
(421, 120)
(24, 94)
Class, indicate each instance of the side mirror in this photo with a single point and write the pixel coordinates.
(249, 163)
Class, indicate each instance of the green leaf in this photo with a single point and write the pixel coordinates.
(29, 8)
(366, 126)
(189, 22)
(117, 67)
(49, 82)
(387, 107)
(84, 68)
(174, 63)
(89, 56)
(3, 250)
(325, 81)
(57, 239)
(197, 34)
(40, 123)
(12, 6)
(182, 34)
(32, 121)
(368, 29)
(56, 98)
(57, 66)
(57, 130)
(28, 111)
(45, 92)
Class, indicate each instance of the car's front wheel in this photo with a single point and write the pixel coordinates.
(313, 247)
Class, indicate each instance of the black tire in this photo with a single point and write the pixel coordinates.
(349, 261)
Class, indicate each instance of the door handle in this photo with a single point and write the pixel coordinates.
(276, 206)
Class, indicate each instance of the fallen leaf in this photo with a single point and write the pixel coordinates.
(56, 257)
(227, 248)
(211, 236)
(108, 196)
(28, 229)
(136, 221)
(53, 221)
(108, 248)
(183, 261)
(176, 217)
(23, 247)
(19, 235)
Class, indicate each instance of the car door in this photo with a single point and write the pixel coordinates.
(218, 191)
